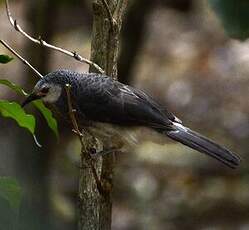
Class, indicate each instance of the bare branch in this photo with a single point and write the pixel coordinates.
(76, 130)
(71, 113)
(21, 58)
(41, 42)
(109, 14)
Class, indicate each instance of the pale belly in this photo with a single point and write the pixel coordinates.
(123, 139)
(114, 137)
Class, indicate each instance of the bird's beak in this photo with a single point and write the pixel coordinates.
(30, 98)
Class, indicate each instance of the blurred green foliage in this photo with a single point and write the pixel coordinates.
(234, 16)
(5, 58)
(10, 200)
(11, 192)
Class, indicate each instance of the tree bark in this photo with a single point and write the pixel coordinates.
(95, 203)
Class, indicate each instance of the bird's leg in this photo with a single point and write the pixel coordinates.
(94, 152)
(99, 148)
(98, 182)
(91, 148)
(91, 140)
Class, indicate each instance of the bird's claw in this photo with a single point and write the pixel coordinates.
(93, 152)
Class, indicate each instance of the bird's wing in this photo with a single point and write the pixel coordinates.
(145, 98)
(115, 102)
(111, 101)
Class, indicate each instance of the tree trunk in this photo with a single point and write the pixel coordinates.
(95, 203)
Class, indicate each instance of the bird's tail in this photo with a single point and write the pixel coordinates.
(202, 144)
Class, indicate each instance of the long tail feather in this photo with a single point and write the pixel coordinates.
(202, 144)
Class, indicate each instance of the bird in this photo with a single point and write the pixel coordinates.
(99, 99)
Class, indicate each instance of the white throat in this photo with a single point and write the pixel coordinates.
(53, 94)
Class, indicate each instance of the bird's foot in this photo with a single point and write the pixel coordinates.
(94, 153)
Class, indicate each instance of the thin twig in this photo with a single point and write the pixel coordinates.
(80, 135)
(21, 58)
(41, 42)
(109, 14)
(71, 114)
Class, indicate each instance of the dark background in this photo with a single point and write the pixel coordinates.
(177, 52)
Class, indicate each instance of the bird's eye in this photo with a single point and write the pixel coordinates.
(44, 90)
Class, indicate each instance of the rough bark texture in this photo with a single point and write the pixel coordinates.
(95, 203)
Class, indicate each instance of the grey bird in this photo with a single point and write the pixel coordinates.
(100, 99)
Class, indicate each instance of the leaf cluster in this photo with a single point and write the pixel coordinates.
(15, 111)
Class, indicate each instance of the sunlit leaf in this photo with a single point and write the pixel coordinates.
(11, 191)
(234, 15)
(5, 58)
(16, 112)
(47, 114)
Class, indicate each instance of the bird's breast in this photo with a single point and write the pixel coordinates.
(114, 136)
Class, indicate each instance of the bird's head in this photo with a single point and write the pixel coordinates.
(50, 88)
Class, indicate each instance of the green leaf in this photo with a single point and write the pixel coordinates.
(234, 15)
(13, 86)
(16, 112)
(5, 58)
(11, 191)
(47, 114)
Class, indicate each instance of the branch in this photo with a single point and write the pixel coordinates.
(72, 111)
(120, 10)
(41, 42)
(109, 14)
(21, 58)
